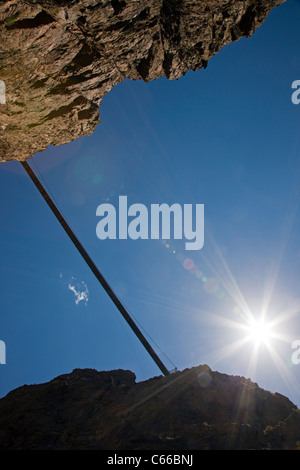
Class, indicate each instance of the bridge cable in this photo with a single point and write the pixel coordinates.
(94, 268)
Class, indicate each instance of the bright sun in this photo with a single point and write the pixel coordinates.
(259, 331)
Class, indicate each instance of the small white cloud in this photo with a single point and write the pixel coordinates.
(78, 288)
(80, 291)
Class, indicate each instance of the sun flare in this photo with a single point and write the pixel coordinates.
(259, 331)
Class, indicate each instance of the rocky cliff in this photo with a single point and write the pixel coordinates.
(188, 410)
(59, 58)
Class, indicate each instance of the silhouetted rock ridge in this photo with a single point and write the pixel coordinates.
(191, 409)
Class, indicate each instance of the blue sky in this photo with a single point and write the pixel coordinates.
(226, 137)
